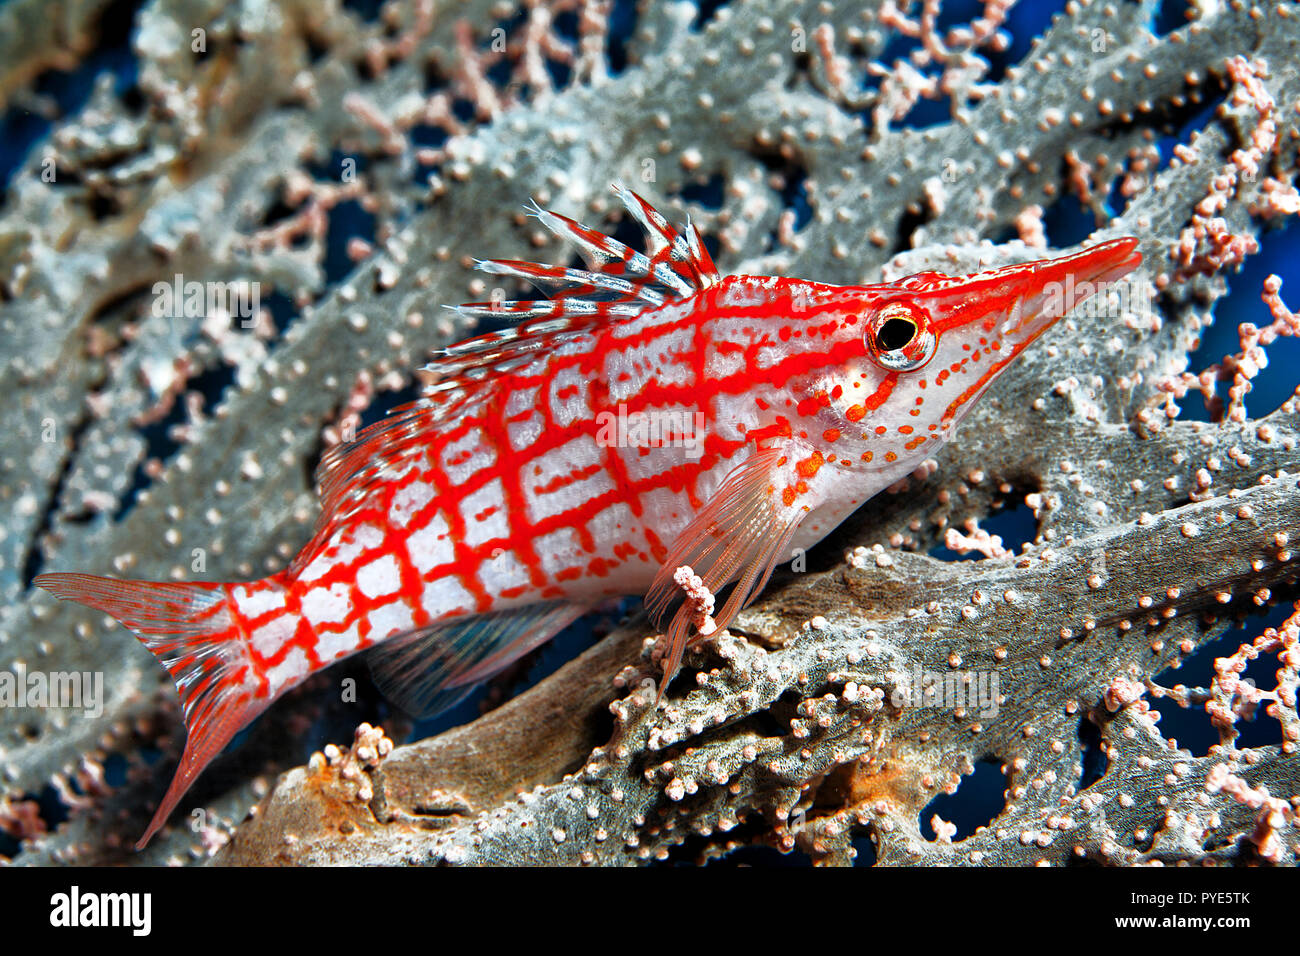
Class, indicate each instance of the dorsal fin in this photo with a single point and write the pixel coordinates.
(620, 283)
(351, 472)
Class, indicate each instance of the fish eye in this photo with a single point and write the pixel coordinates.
(895, 333)
(898, 338)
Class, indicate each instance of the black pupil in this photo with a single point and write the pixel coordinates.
(895, 334)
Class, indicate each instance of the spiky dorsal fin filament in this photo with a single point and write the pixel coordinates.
(619, 283)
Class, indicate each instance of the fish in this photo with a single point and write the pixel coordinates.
(650, 426)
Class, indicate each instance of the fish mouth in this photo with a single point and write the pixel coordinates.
(1014, 305)
(1047, 290)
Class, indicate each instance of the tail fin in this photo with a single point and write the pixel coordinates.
(189, 628)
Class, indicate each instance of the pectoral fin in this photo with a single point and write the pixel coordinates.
(743, 533)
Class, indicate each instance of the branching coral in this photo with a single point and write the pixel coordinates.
(352, 168)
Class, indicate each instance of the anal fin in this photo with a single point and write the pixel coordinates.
(429, 670)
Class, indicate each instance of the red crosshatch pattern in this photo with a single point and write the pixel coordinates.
(475, 523)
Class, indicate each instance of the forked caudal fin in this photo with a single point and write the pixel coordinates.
(189, 628)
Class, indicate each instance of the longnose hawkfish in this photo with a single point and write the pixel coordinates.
(652, 416)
